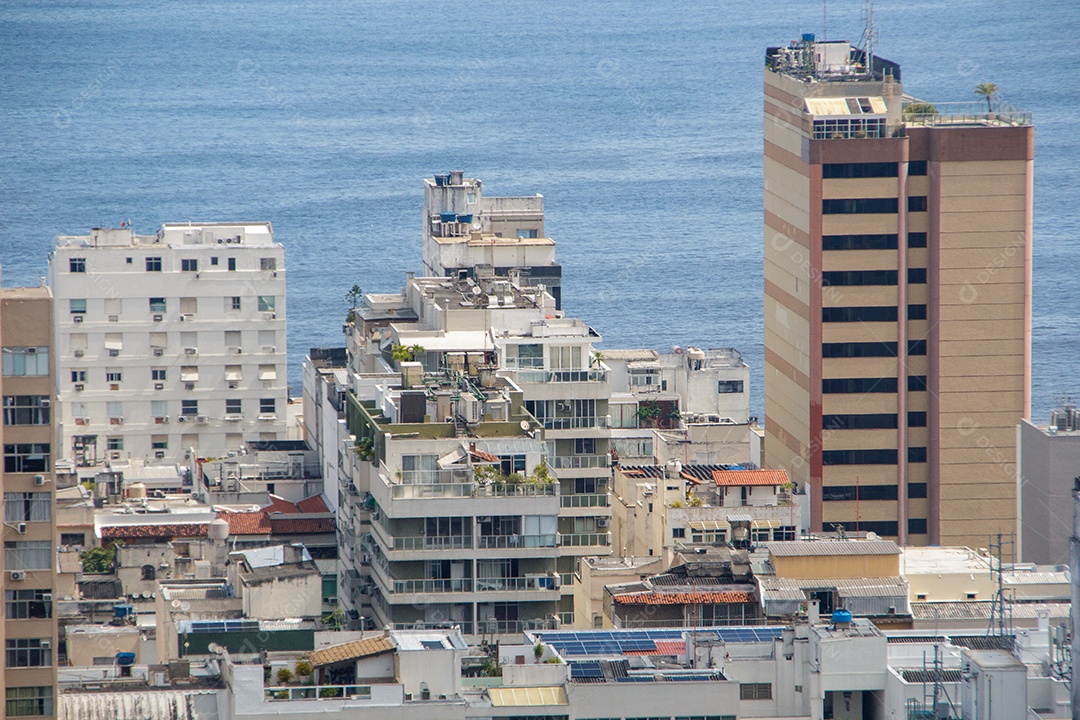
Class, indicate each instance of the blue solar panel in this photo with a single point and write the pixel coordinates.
(636, 678)
(585, 670)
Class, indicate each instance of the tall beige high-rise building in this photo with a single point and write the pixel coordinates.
(897, 297)
(29, 560)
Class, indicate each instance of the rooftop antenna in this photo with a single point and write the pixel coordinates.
(1000, 620)
(868, 37)
(825, 20)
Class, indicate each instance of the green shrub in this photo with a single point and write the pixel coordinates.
(284, 676)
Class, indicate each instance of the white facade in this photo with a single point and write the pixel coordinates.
(171, 342)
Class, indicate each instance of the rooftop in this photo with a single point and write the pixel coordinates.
(814, 548)
(739, 478)
(943, 560)
(351, 650)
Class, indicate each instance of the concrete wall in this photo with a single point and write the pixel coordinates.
(1048, 464)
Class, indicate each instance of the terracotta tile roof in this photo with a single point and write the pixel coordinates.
(313, 504)
(484, 455)
(351, 651)
(749, 477)
(686, 598)
(247, 523)
(161, 530)
(285, 525)
(281, 505)
(663, 647)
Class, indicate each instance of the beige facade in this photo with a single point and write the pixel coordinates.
(897, 302)
(29, 529)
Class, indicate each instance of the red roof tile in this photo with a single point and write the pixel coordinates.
(663, 647)
(170, 530)
(686, 598)
(281, 505)
(313, 504)
(749, 477)
(485, 456)
(285, 525)
(247, 523)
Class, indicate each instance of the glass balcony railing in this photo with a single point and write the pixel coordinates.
(471, 490)
(516, 583)
(585, 501)
(502, 542)
(433, 586)
(425, 542)
(573, 423)
(318, 692)
(555, 376)
(560, 462)
(584, 539)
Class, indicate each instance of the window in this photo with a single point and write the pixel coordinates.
(871, 313)
(114, 443)
(26, 361)
(28, 652)
(858, 457)
(73, 539)
(588, 486)
(189, 305)
(153, 264)
(27, 507)
(859, 242)
(859, 206)
(916, 526)
(234, 302)
(232, 263)
(728, 387)
(213, 261)
(916, 239)
(916, 383)
(917, 312)
(148, 572)
(855, 278)
(267, 406)
(916, 167)
(527, 233)
(678, 533)
(755, 691)
(885, 528)
(858, 385)
(859, 422)
(114, 375)
(859, 170)
(916, 347)
(267, 264)
(78, 376)
(114, 409)
(159, 442)
(836, 493)
(27, 604)
(916, 203)
(916, 490)
(565, 358)
(157, 305)
(784, 532)
(266, 303)
(530, 356)
(233, 406)
(858, 349)
(916, 419)
(26, 410)
(158, 374)
(916, 454)
(26, 458)
(77, 265)
(189, 265)
(77, 306)
(189, 407)
(29, 701)
(159, 408)
(28, 555)
(848, 128)
(916, 276)
(584, 446)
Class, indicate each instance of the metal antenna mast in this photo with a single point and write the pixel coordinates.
(998, 614)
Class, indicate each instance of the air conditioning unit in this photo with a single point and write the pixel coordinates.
(31, 351)
(202, 419)
(191, 351)
(182, 418)
(159, 454)
(159, 386)
(78, 319)
(82, 420)
(46, 597)
(158, 352)
(40, 480)
(269, 316)
(46, 402)
(163, 420)
(79, 353)
(267, 418)
(116, 421)
(114, 318)
(46, 645)
(79, 387)
(189, 386)
(17, 575)
(236, 350)
(602, 522)
(483, 519)
(20, 528)
(186, 317)
(113, 352)
(269, 349)
(158, 318)
(233, 386)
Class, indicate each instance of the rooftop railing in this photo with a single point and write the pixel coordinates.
(318, 692)
(973, 113)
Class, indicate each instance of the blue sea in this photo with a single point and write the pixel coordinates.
(639, 122)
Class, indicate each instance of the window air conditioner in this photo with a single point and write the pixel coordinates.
(159, 386)
(46, 402)
(158, 352)
(191, 351)
(79, 353)
(202, 419)
(20, 528)
(602, 522)
(189, 386)
(78, 319)
(40, 480)
(159, 454)
(79, 387)
(17, 575)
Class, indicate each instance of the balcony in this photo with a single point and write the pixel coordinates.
(546, 582)
(456, 585)
(573, 423)
(585, 501)
(561, 376)
(562, 462)
(971, 114)
(317, 692)
(425, 542)
(504, 542)
(471, 490)
(585, 539)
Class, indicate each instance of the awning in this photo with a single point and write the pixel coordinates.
(453, 457)
(709, 525)
(189, 374)
(737, 518)
(839, 106)
(765, 523)
(268, 373)
(113, 344)
(527, 696)
(232, 374)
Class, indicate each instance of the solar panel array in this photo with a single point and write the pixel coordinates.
(603, 642)
(216, 626)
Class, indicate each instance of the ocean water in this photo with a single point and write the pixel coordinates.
(639, 122)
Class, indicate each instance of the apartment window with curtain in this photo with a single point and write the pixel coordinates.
(27, 507)
(28, 555)
(29, 701)
(565, 358)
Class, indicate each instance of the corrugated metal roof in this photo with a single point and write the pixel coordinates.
(811, 548)
(794, 588)
(528, 696)
(981, 609)
(1036, 578)
(351, 651)
(685, 598)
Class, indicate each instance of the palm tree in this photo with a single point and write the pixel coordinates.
(988, 90)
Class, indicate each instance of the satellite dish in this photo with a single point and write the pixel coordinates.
(524, 424)
(475, 289)
(871, 535)
(176, 603)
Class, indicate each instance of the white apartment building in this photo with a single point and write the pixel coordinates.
(468, 234)
(171, 343)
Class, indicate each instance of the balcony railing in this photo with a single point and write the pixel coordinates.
(560, 462)
(554, 376)
(584, 539)
(516, 583)
(585, 501)
(573, 423)
(426, 542)
(566, 579)
(964, 113)
(502, 542)
(433, 586)
(472, 490)
(516, 626)
(318, 692)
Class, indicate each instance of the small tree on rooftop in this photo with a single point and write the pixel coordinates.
(988, 90)
(284, 676)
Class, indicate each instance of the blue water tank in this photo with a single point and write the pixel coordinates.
(122, 611)
(125, 659)
(841, 617)
(448, 217)
(464, 219)
(808, 37)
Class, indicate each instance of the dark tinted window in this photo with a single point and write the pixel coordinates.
(859, 422)
(916, 203)
(859, 206)
(916, 490)
(916, 167)
(917, 312)
(859, 385)
(859, 314)
(916, 239)
(916, 419)
(916, 383)
(858, 277)
(916, 276)
(858, 242)
(916, 526)
(858, 349)
(858, 457)
(859, 170)
(916, 347)
(916, 455)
